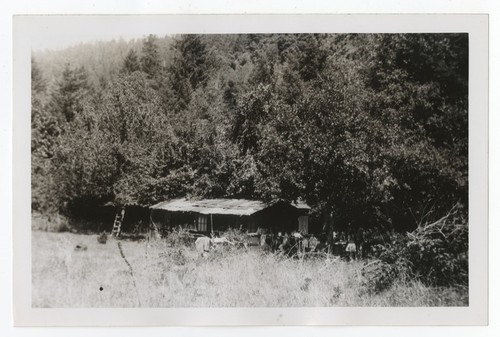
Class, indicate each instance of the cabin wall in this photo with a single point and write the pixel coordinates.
(203, 223)
(274, 219)
(283, 218)
(222, 222)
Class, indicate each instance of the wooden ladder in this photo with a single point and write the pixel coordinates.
(117, 224)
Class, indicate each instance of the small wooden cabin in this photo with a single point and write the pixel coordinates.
(217, 215)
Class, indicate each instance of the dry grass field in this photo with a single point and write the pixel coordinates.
(175, 277)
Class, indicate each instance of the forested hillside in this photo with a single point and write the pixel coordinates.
(371, 129)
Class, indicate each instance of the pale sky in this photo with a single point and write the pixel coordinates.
(57, 32)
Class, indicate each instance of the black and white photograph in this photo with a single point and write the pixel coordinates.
(250, 170)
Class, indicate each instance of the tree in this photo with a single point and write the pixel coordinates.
(420, 85)
(38, 83)
(120, 150)
(72, 89)
(150, 59)
(44, 136)
(131, 63)
(190, 69)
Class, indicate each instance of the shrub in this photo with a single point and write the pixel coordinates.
(238, 238)
(378, 276)
(178, 237)
(438, 251)
(176, 256)
(435, 254)
(50, 223)
(234, 235)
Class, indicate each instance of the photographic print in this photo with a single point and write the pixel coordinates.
(251, 170)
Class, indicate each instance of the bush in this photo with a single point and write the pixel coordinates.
(179, 237)
(50, 223)
(435, 254)
(378, 276)
(234, 235)
(438, 252)
(176, 256)
(238, 238)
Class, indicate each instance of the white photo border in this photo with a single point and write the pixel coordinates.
(27, 32)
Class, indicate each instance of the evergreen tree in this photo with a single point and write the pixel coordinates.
(44, 136)
(71, 91)
(150, 58)
(190, 69)
(38, 83)
(131, 63)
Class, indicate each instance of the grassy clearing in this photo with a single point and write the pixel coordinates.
(175, 277)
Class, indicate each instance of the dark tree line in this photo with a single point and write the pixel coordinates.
(369, 129)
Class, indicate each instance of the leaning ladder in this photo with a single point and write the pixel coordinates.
(117, 224)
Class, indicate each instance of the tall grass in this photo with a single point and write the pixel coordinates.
(168, 276)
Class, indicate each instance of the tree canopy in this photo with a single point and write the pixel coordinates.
(370, 127)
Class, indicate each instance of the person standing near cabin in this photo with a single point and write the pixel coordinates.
(278, 243)
(351, 247)
(359, 240)
(322, 246)
(262, 235)
(313, 242)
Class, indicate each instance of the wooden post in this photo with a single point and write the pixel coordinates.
(211, 224)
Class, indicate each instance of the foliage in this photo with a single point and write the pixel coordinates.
(68, 98)
(178, 238)
(118, 147)
(237, 237)
(435, 254)
(378, 276)
(150, 59)
(438, 251)
(50, 223)
(189, 69)
(45, 130)
(369, 129)
(131, 63)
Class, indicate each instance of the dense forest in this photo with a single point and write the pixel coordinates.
(369, 129)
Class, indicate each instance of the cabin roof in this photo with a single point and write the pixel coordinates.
(219, 206)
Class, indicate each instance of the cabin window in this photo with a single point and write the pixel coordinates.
(303, 224)
(252, 227)
(202, 223)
